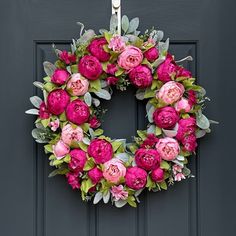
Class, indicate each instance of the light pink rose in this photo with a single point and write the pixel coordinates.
(118, 193)
(70, 134)
(114, 170)
(171, 92)
(183, 105)
(130, 57)
(77, 85)
(60, 149)
(117, 44)
(168, 148)
(54, 125)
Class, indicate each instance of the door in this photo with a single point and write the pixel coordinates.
(34, 205)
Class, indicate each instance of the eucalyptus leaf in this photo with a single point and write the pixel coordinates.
(106, 197)
(120, 203)
(96, 102)
(140, 94)
(150, 114)
(125, 23)
(97, 198)
(38, 84)
(113, 23)
(200, 133)
(32, 111)
(86, 141)
(36, 101)
(202, 121)
(133, 25)
(122, 156)
(49, 68)
(88, 99)
(104, 94)
(151, 129)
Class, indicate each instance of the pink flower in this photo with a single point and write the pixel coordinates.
(183, 105)
(54, 125)
(73, 180)
(117, 44)
(171, 92)
(165, 117)
(70, 134)
(141, 76)
(77, 112)
(186, 127)
(166, 69)
(111, 69)
(168, 148)
(101, 150)
(148, 159)
(118, 193)
(136, 178)
(78, 160)
(58, 100)
(94, 122)
(77, 85)
(112, 80)
(114, 170)
(60, 149)
(150, 141)
(182, 72)
(67, 57)
(190, 142)
(179, 177)
(130, 57)
(95, 175)
(151, 54)
(60, 76)
(97, 50)
(90, 67)
(157, 175)
(192, 97)
(43, 111)
(176, 169)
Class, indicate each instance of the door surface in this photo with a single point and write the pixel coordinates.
(34, 205)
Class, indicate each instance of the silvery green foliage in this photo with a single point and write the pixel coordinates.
(96, 102)
(49, 68)
(140, 94)
(122, 156)
(88, 99)
(86, 140)
(32, 111)
(151, 129)
(104, 84)
(97, 198)
(57, 51)
(91, 132)
(171, 133)
(36, 101)
(178, 163)
(180, 158)
(163, 46)
(73, 46)
(38, 84)
(157, 35)
(85, 37)
(133, 25)
(40, 135)
(104, 94)
(81, 28)
(130, 27)
(200, 133)
(120, 203)
(125, 23)
(113, 23)
(150, 110)
(202, 121)
(106, 197)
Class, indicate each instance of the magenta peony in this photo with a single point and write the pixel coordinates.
(112, 80)
(141, 76)
(186, 127)
(95, 175)
(57, 100)
(190, 142)
(136, 178)
(111, 69)
(94, 122)
(151, 54)
(117, 44)
(183, 105)
(60, 76)
(118, 193)
(97, 50)
(150, 141)
(73, 180)
(182, 72)
(157, 175)
(70, 134)
(192, 97)
(60, 149)
(77, 112)
(78, 160)
(43, 111)
(90, 67)
(67, 57)
(148, 159)
(165, 117)
(101, 150)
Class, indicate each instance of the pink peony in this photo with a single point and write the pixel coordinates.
(58, 100)
(43, 111)
(112, 80)
(94, 122)
(78, 160)
(130, 57)
(67, 57)
(114, 170)
(141, 76)
(166, 69)
(77, 112)
(116, 44)
(111, 69)
(95, 175)
(54, 125)
(182, 72)
(118, 193)
(186, 127)
(150, 141)
(151, 54)
(73, 180)
(157, 175)
(60, 76)
(183, 105)
(190, 142)
(77, 85)
(171, 92)
(97, 50)
(168, 148)
(148, 159)
(90, 67)
(165, 117)
(70, 134)
(136, 178)
(60, 149)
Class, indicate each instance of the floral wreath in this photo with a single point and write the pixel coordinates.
(69, 117)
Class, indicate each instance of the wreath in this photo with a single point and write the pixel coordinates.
(69, 116)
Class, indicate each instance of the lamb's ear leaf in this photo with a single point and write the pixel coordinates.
(36, 101)
(125, 23)
(133, 25)
(49, 68)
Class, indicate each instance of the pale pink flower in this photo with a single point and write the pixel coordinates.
(118, 193)
(183, 105)
(70, 134)
(116, 44)
(55, 125)
(60, 149)
(179, 177)
(176, 169)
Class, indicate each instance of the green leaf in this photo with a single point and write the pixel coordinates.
(47, 79)
(163, 185)
(95, 85)
(119, 72)
(158, 131)
(85, 127)
(45, 122)
(48, 148)
(86, 185)
(107, 36)
(165, 165)
(142, 134)
(89, 164)
(74, 69)
(83, 146)
(62, 117)
(149, 93)
(49, 86)
(98, 132)
(57, 162)
(67, 158)
(154, 84)
(60, 171)
(125, 23)
(116, 145)
(131, 201)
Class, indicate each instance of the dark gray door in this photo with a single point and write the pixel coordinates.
(33, 205)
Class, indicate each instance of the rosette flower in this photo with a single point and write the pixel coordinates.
(60, 76)
(70, 134)
(136, 178)
(78, 160)
(182, 72)
(60, 149)
(77, 112)
(101, 150)
(186, 127)
(190, 142)
(157, 175)
(94, 122)
(95, 175)
(141, 76)
(183, 105)
(151, 54)
(67, 57)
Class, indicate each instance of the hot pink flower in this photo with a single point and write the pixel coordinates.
(78, 160)
(192, 97)
(165, 117)
(182, 72)
(60, 76)
(183, 105)
(43, 111)
(151, 54)
(94, 122)
(111, 69)
(118, 193)
(157, 175)
(73, 180)
(168, 148)
(171, 92)
(58, 100)
(112, 80)
(150, 141)
(101, 150)
(114, 170)
(117, 44)
(136, 178)
(190, 142)
(148, 159)
(77, 112)
(90, 67)
(97, 50)
(141, 76)
(54, 125)
(130, 57)
(67, 57)
(70, 134)
(95, 175)
(186, 127)
(60, 149)
(77, 85)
